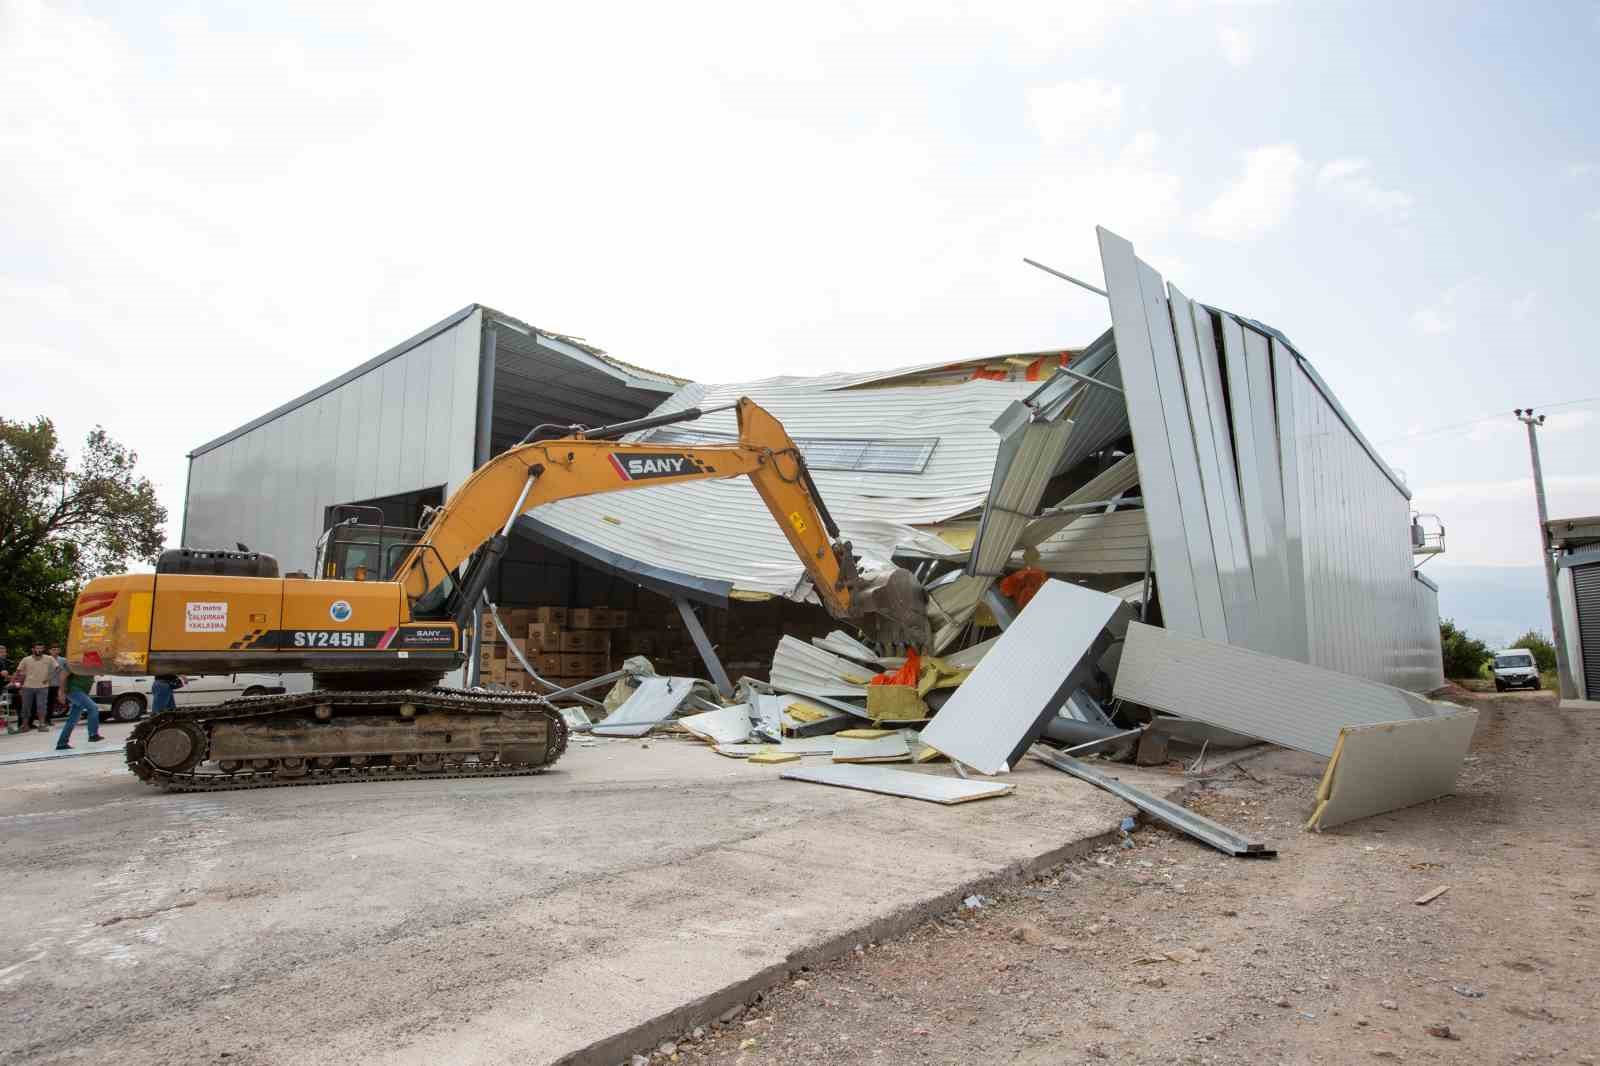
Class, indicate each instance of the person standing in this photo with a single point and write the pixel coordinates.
(161, 693)
(58, 683)
(75, 689)
(7, 708)
(34, 673)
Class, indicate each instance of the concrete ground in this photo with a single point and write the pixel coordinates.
(634, 891)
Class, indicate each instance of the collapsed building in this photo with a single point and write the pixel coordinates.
(1190, 461)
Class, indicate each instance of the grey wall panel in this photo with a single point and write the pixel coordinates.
(389, 431)
(1284, 369)
(1235, 587)
(1185, 461)
(1266, 628)
(1222, 443)
(1364, 615)
(1180, 606)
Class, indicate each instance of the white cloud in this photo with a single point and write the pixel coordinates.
(1578, 171)
(1351, 182)
(1524, 305)
(1593, 216)
(1433, 321)
(1065, 112)
(1237, 46)
(1260, 199)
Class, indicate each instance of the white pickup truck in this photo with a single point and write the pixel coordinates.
(129, 697)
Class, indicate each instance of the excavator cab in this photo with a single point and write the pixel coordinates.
(353, 550)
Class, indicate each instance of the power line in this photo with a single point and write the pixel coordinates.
(1437, 430)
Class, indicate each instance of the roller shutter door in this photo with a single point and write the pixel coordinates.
(1586, 584)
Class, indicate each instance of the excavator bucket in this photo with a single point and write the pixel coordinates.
(892, 608)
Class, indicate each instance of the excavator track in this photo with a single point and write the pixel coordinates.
(194, 724)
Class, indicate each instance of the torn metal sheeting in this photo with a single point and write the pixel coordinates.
(1178, 817)
(842, 644)
(1085, 708)
(904, 783)
(1115, 543)
(1025, 678)
(1197, 733)
(655, 699)
(855, 710)
(892, 748)
(726, 725)
(1278, 700)
(576, 718)
(1390, 765)
(797, 665)
(1110, 483)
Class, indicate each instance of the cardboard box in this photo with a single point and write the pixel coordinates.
(544, 636)
(595, 641)
(576, 666)
(584, 617)
(487, 633)
(547, 663)
(495, 671)
(517, 618)
(555, 616)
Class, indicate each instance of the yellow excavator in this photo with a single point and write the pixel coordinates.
(389, 611)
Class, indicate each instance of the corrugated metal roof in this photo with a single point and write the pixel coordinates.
(722, 530)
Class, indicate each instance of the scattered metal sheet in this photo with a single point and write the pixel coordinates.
(1180, 818)
(1085, 708)
(46, 756)
(726, 725)
(1278, 700)
(655, 699)
(1384, 767)
(576, 717)
(798, 666)
(856, 710)
(1022, 682)
(892, 748)
(905, 783)
(791, 745)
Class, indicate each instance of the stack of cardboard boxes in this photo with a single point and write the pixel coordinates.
(569, 645)
(564, 646)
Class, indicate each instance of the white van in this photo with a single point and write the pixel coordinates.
(1515, 668)
(128, 697)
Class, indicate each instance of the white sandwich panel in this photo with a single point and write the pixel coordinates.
(1234, 585)
(1266, 630)
(1278, 700)
(1185, 464)
(1285, 368)
(1392, 765)
(1180, 607)
(1222, 444)
(1024, 679)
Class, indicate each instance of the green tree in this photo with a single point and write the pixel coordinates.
(1544, 652)
(1464, 656)
(63, 522)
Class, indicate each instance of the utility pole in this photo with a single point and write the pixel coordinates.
(1569, 690)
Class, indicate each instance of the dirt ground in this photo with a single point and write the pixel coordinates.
(1319, 956)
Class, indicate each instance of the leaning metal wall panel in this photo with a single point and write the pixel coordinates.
(1169, 548)
(1362, 613)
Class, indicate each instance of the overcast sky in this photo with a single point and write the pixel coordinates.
(209, 208)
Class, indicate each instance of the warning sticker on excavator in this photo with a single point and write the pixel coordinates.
(205, 617)
(797, 520)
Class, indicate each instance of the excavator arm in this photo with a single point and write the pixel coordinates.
(476, 521)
